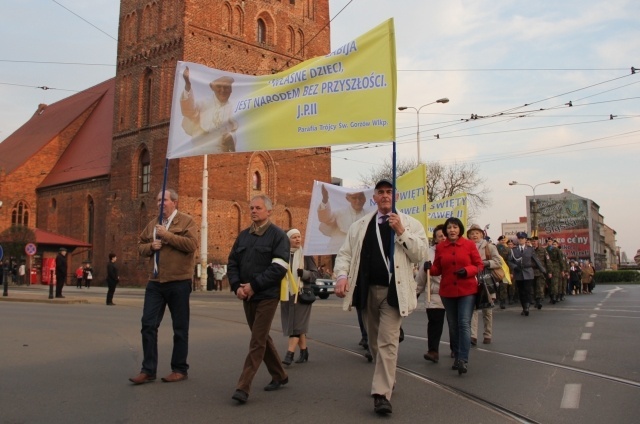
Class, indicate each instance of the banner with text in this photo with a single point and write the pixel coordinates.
(440, 210)
(345, 97)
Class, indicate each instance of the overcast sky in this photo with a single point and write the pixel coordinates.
(486, 56)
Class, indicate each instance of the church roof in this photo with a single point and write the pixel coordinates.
(88, 155)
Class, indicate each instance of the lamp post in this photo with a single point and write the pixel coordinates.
(534, 210)
(442, 100)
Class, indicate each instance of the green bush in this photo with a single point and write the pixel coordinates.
(604, 277)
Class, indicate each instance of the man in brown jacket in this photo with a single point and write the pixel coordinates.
(171, 248)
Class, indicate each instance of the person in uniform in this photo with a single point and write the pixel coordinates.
(554, 270)
(540, 276)
(522, 261)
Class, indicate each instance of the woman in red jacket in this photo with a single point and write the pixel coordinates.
(457, 261)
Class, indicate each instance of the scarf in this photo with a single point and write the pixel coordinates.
(296, 262)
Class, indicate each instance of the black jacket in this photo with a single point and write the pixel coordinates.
(252, 261)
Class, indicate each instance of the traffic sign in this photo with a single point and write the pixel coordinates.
(30, 249)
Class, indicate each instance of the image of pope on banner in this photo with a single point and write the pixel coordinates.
(208, 117)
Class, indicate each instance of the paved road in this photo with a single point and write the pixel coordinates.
(575, 362)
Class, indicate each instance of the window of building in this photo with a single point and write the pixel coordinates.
(147, 95)
(20, 214)
(144, 174)
(262, 32)
(90, 223)
(256, 183)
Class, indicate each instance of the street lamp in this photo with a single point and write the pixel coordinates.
(442, 100)
(534, 210)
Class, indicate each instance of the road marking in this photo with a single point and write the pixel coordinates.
(585, 336)
(589, 324)
(580, 355)
(593, 315)
(596, 309)
(599, 304)
(571, 396)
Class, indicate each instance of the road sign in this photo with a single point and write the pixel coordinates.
(30, 249)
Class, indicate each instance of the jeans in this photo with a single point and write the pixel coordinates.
(459, 311)
(435, 324)
(157, 296)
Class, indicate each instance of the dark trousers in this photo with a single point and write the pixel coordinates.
(157, 296)
(524, 291)
(110, 291)
(259, 316)
(60, 279)
(435, 317)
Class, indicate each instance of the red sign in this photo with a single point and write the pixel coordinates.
(30, 249)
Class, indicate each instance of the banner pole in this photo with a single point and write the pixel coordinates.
(164, 188)
(393, 208)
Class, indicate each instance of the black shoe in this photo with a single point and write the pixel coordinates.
(364, 343)
(275, 385)
(474, 341)
(381, 405)
(462, 367)
(111, 304)
(561, 298)
(401, 339)
(502, 305)
(368, 356)
(304, 356)
(288, 358)
(455, 365)
(240, 396)
(539, 303)
(526, 312)
(60, 297)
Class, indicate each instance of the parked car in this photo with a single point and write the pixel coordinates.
(324, 287)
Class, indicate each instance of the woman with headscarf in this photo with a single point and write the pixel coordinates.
(458, 262)
(295, 316)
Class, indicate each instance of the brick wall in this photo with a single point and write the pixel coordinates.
(220, 34)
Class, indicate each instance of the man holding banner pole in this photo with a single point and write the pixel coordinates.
(384, 289)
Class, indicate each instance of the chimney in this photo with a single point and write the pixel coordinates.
(41, 108)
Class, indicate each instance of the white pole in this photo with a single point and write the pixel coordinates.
(204, 229)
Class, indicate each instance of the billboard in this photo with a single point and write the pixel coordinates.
(566, 219)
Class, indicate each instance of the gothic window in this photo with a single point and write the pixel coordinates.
(292, 41)
(90, 223)
(256, 184)
(147, 95)
(227, 18)
(262, 31)
(288, 219)
(20, 214)
(144, 171)
(238, 22)
(300, 50)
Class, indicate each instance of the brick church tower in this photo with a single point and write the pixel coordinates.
(250, 37)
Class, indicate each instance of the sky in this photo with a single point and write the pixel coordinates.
(515, 64)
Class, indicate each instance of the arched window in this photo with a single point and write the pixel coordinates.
(257, 181)
(144, 171)
(292, 41)
(146, 97)
(262, 31)
(288, 219)
(20, 214)
(90, 222)
(227, 18)
(300, 50)
(54, 204)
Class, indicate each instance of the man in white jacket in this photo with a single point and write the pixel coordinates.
(384, 294)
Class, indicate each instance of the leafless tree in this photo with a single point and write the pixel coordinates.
(442, 181)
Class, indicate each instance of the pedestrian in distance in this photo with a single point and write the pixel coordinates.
(61, 271)
(383, 290)
(112, 278)
(171, 249)
(258, 262)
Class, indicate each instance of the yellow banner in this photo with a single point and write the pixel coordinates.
(440, 210)
(411, 195)
(345, 97)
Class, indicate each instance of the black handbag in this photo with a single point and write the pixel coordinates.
(306, 296)
(486, 287)
(485, 278)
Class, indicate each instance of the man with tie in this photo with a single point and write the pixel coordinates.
(521, 261)
(171, 249)
(384, 291)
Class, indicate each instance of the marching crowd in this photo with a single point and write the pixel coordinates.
(462, 274)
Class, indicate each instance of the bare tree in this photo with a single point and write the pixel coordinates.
(442, 181)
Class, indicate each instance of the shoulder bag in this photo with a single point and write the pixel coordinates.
(497, 273)
(306, 296)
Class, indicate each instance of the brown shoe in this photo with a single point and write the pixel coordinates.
(432, 356)
(487, 340)
(142, 378)
(474, 341)
(174, 377)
